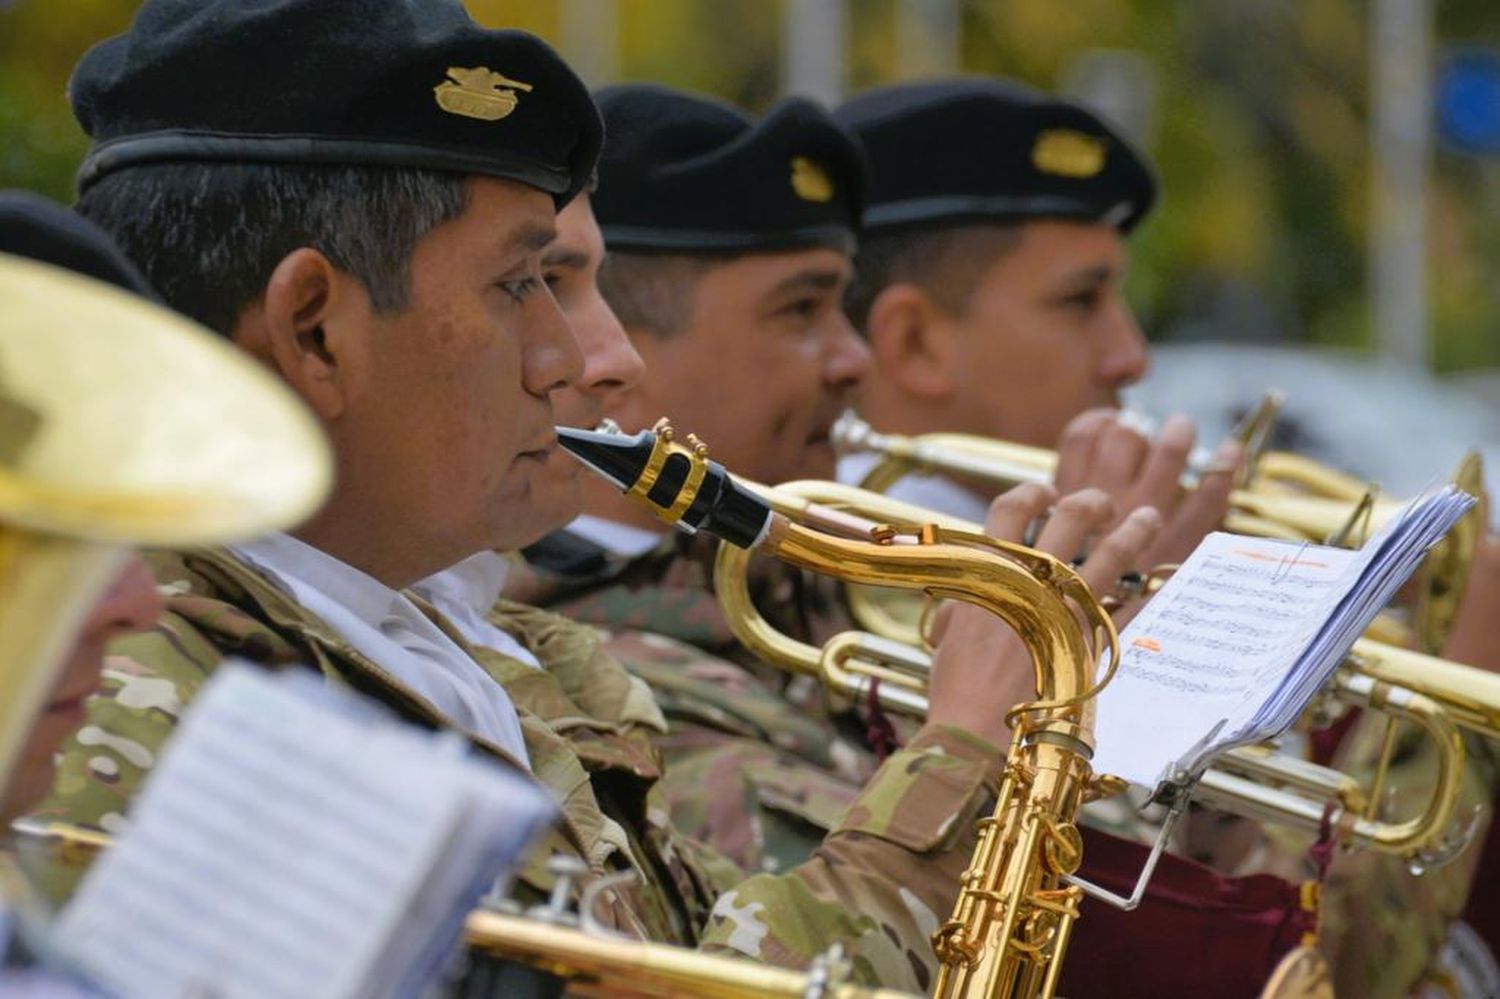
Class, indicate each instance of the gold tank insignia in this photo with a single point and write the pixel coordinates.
(811, 181)
(478, 93)
(1066, 153)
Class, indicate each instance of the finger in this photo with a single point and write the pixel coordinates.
(1117, 461)
(1075, 451)
(1160, 479)
(938, 625)
(1118, 551)
(1014, 509)
(1203, 510)
(1076, 518)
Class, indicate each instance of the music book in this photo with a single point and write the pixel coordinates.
(296, 840)
(1233, 647)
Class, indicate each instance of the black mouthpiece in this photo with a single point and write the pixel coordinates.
(678, 482)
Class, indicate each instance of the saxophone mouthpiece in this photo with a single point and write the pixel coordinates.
(676, 480)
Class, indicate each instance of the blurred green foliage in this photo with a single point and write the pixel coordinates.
(1259, 130)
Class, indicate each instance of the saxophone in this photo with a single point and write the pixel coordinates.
(1014, 914)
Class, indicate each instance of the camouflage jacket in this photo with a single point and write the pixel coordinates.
(876, 885)
(759, 770)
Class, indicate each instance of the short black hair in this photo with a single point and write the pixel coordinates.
(208, 235)
(652, 291)
(946, 261)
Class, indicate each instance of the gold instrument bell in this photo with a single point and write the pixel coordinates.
(122, 424)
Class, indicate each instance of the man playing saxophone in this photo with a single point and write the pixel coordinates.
(387, 224)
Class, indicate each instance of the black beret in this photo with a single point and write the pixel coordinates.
(975, 149)
(397, 83)
(31, 226)
(686, 172)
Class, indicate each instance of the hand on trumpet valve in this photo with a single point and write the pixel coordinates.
(980, 668)
(1103, 450)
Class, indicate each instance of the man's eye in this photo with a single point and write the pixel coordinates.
(803, 308)
(553, 278)
(1086, 301)
(518, 290)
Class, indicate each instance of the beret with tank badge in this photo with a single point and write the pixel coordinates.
(32, 226)
(974, 150)
(687, 172)
(381, 83)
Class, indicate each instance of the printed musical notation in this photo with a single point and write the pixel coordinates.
(1236, 643)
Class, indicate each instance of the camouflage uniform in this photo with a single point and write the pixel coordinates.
(588, 728)
(1384, 927)
(758, 769)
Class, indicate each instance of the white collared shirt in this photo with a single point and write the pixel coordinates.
(931, 491)
(624, 540)
(465, 593)
(388, 629)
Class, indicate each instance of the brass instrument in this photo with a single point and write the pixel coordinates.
(593, 961)
(1431, 693)
(121, 424)
(1329, 515)
(1012, 920)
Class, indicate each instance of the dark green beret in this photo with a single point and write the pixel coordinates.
(397, 83)
(974, 149)
(686, 172)
(32, 226)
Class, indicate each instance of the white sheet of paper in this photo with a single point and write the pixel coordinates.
(280, 844)
(1201, 650)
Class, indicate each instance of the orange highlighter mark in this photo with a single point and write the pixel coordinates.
(1149, 644)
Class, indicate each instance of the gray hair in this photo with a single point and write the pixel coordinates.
(208, 236)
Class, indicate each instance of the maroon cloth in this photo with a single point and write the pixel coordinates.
(1483, 911)
(1197, 933)
(1324, 743)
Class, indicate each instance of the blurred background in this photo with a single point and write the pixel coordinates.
(1331, 219)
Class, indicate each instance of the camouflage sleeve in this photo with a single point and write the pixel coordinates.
(884, 878)
(1384, 926)
(147, 679)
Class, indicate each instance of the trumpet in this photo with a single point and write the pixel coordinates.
(1330, 515)
(1013, 917)
(1436, 695)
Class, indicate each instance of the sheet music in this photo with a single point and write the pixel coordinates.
(284, 843)
(1237, 642)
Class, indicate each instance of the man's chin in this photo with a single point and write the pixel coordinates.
(552, 504)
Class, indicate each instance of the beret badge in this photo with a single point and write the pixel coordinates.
(478, 93)
(810, 181)
(1064, 152)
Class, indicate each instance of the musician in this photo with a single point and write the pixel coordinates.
(368, 218)
(990, 287)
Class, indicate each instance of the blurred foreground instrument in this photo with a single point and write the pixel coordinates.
(122, 424)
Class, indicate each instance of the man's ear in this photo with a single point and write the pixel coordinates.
(305, 327)
(912, 341)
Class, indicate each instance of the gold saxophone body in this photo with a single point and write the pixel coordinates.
(1010, 925)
